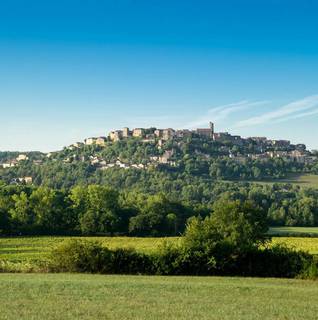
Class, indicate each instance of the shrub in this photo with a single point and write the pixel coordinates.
(310, 269)
(129, 261)
(91, 257)
(80, 256)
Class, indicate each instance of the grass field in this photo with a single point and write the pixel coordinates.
(80, 296)
(31, 249)
(306, 180)
(37, 248)
(303, 180)
(306, 231)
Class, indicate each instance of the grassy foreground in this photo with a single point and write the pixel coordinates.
(80, 296)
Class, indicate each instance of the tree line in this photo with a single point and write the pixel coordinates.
(104, 209)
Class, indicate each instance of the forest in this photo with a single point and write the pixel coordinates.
(107, 210)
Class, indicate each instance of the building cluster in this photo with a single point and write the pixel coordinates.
(12, 163)
(154, 133)
(147, 135)
(260, 148)
(102, 164)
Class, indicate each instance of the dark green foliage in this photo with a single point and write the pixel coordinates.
(214, 246)
(101, 209)
(91, 257)
(80, 256)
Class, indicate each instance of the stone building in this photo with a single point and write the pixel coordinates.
(115, 135)
(138, 132)
(100, 141)
(167, 133)
(126, 132)
(90, 141)
(207, 132)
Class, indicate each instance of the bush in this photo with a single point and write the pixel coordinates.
(277, 261)
(310, 270)
(91, 257)
(128, 261)
(80, 256)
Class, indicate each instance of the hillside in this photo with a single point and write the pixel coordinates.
(155, 180)
(143, 153)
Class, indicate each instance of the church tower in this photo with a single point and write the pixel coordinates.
(212, 127)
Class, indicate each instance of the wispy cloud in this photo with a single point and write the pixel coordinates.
(292, 110)
(300, 115)
(222, 112)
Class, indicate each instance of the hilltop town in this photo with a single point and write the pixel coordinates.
(263, 148)
(164, 147)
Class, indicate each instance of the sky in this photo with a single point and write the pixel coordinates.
(74, 69)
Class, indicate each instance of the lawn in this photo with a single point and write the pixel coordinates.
(82, 296)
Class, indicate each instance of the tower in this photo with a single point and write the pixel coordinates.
(212, 127)
(126, 132)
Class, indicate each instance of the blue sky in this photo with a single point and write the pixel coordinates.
(73, 69)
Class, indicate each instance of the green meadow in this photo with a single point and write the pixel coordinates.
(83, 296)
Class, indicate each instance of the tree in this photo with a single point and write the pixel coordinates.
(21, 214)
(97, 207)
(236, 224)
(50, 210)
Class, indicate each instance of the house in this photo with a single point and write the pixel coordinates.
(183, 133)
(167, 133)
(297, 156)
(9, 164)
(166, 156)
(115, 135)
(22, 157)
(77, 144)
(138, 132)
(26, 180)
(90, 141)
(100, 141)
(158, 133)
(277, 154)
(207, 132)
(221, 136)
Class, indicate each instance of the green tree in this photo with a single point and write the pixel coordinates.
(238, 224)
(97, 207)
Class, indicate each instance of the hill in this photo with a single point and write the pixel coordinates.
(201, 154)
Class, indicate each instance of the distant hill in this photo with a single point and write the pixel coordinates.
(127, 157)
